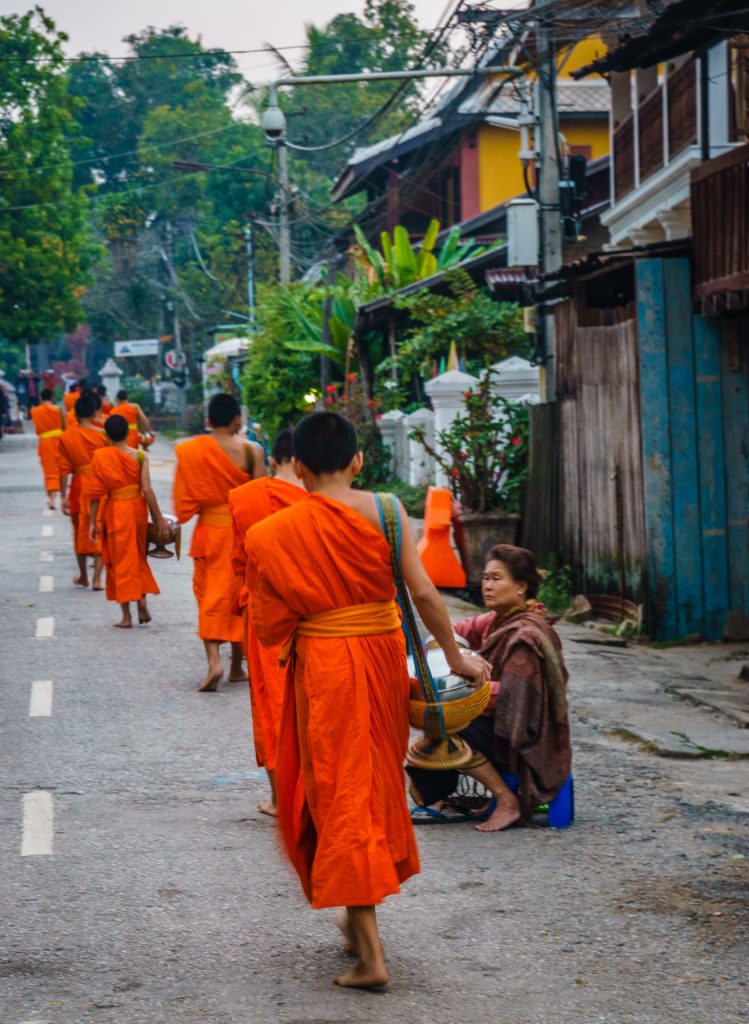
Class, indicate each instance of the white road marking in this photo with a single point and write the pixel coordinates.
(40, 705)
(48, 531)
(46, 556)
(45, 628)
(46, 584)
(38, 814)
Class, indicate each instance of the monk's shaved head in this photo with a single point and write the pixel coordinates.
(85, 407)
(283, 446)
(325, 442)
(116, 427)
(47, 395)
(223, 410)
(122, 396)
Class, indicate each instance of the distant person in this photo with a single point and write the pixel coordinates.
(139, 429)
(22, 394)
(47, 419)
(120, 475)
(249, 504)
(106, 405)
(77, 446)
(208, 467)
(33, 390)
(70, 398)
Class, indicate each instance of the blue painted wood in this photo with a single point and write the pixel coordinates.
(736, 434)
(656, 449)
(684, 470)
(714, 541)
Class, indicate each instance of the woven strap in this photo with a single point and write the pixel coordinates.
(434, 720)
(123, 493)
(215, 515)
(51, 433)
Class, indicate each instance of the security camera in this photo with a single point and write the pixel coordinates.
(273, 123)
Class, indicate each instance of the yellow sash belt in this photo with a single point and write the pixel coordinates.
(215, 515)
(372, 619)
(51, 433)
(85, 467)
(123, 493)
(133, 426)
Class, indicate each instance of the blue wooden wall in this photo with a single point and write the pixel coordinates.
(695, 438)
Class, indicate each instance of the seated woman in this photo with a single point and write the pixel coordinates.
(525, 729)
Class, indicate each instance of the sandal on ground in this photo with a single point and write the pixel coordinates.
(435, 816)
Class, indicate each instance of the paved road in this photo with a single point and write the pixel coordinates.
(163, 899)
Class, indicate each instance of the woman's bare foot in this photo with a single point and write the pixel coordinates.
(506, 813)
(370, 976)
(211, 681)
(342, 922)
(268, 807)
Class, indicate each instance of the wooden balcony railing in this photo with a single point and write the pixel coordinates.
(682, 108)
(720, 226)
(624, 158)
(650, 133)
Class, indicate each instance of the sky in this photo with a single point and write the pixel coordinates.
(228, 24)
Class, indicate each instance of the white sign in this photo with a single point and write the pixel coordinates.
(175, 360)
(146, 347)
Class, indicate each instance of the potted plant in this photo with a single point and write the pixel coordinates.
(484, 453)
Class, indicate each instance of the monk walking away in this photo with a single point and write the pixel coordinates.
(208, 467)
(77, 446)
(138, 425)
(48, 423)
(249, 505)
(120, 480)
(321, 579)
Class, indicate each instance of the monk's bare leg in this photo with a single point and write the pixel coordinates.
(350, 941)
(143, 613)
(98, 570)
(369, 971)
(237, 673)
(126, 621)
(215, 671)
(81, 580)
(507, 810)
(270, 806)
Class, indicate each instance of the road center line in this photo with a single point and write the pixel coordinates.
(48, 531)
(46, 584)
(45, 628)
(40, 705)
(46, 556)
(38, 815)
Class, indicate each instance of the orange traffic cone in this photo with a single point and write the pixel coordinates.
(438, 558)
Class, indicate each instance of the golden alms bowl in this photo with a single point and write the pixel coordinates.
(159, 549)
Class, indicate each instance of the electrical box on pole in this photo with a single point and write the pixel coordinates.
(522, 233)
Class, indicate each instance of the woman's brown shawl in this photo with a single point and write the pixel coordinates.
(531, 727)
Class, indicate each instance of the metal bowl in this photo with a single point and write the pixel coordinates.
(449, 685)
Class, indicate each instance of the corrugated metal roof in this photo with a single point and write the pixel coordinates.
(572, 98)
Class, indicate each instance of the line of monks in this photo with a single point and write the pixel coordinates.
(295, 572)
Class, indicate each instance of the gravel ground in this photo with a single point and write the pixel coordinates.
(166, 900)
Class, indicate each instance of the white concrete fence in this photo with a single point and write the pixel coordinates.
(513, 379)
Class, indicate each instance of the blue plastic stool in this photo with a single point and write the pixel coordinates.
(561, 810)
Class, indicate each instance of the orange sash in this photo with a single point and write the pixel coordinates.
(123, 493)
(216, 515)
(371, 619)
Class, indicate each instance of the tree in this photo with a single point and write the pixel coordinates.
(46, 248)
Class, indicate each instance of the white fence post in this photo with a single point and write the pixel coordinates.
(388, 424)
(446, 393)
(420, 463)
(515, 379)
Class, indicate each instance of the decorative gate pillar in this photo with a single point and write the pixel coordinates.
(446, 393)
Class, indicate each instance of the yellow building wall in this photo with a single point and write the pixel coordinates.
(593, 131)
(585, 52)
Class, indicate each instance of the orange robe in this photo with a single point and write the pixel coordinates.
(202, 482)
(131, 415)
(69, 399)
(71, 420)
(344, 731)
(249, 504)
(116, 477)
(77, 446)
(48, 424)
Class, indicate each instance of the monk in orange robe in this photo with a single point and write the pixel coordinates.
(120, 475)
(48, 425)
(321, 579)
(71, 396)
(249, 504)
(208, 467)
(140, 433)
(106, 405)
(77, 446)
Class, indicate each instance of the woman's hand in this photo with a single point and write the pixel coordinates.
(472, 667)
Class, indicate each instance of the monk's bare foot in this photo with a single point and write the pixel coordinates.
(143, 613)
(125, 624)
(268, 807)
(504, 815)
(343, 923)
(80, 581)
(237, 677)
(211, 681)
(370, 976)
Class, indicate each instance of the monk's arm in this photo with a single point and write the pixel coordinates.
(65, 467)
(238, 556)
(257, 462)
(431, 608)
(93, 530)
(143, 425)
(151, 500)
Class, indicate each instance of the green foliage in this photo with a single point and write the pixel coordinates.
(46, 249)
(485, 451)
(412, 498)
(556, 591)
(484, 331)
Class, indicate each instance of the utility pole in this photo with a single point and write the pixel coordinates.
(284, 232)
(250, 276)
